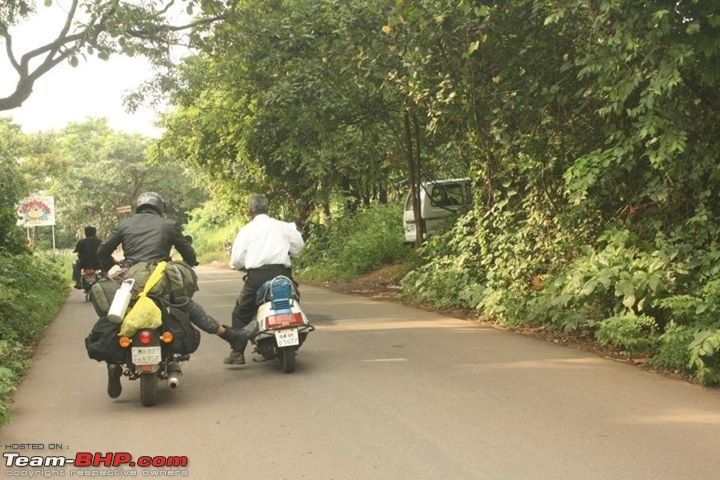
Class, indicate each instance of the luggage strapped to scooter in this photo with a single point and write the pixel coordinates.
(280, 291)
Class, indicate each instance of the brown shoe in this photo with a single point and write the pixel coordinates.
(235, 358)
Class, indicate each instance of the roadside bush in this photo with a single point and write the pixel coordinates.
(32, 290)
(692, 340)
(674, 348)
(655, 296)
(705, 356)
(211, 226)
(632, 333)
(11, 189)
(14, 361)
(354, 244)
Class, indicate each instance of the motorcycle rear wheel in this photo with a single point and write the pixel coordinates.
(287, 359)
(148, 389)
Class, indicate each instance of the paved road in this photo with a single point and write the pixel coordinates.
(381, 391)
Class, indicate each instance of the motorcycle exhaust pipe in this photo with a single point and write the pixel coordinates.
(174, 379)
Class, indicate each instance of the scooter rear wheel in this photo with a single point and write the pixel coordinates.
(148, 389)
(287, 359)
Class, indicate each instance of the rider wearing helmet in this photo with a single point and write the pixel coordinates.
(149, 237)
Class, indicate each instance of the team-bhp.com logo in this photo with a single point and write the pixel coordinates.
(97, 459)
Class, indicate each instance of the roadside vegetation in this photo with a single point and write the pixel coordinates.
(33, 287)
(369, 239)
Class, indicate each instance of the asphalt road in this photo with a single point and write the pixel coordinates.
(381, 391)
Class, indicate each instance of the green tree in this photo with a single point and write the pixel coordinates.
(276, 102)
(12, 188)
(91, 170)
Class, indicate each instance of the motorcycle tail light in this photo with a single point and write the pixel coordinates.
(124, 341)
(89, 271)
(284, 320)
(167, 337)
(145, 337)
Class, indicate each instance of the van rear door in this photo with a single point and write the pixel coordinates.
(438, 201)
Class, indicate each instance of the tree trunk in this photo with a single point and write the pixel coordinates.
(414, 180)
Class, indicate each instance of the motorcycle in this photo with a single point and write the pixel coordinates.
(157, 354)
(88, 277)
(280, 326)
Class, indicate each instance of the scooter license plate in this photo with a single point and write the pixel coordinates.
(146, 355)
(287, 338)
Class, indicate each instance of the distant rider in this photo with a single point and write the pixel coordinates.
(262, 248)
(86, 250)
(149, 237)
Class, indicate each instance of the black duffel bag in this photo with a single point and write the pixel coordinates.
(102, 342)
(186, 338)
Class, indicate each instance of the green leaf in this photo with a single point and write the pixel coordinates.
(589, 287)
(6, 374)
(629, 301)
(693, 28)
(473, 47)
(625, 288)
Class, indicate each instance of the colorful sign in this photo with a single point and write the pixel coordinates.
(37, 211)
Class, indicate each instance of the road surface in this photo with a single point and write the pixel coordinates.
(381, 391)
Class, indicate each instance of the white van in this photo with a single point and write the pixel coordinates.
(439, 200)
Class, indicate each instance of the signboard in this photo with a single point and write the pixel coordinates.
(36, 211)
(124, 209)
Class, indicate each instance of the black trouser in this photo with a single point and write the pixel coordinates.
(245, 307)
(76, 272)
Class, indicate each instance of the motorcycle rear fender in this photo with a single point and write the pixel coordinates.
(146, 368)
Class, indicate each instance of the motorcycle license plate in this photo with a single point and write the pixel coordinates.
(287, 338)
(146, 355)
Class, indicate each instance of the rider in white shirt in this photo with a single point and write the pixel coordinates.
(262, 248)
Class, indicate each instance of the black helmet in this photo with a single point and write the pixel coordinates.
(152, 200)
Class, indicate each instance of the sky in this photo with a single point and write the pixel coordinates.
(94, 88)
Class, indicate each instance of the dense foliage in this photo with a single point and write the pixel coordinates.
(213, 227)
(589, 130)
(32, 286)
(11, 190)
(355, 244)
(91, 170)
(292, 99)
(597, 190)
(32, 290)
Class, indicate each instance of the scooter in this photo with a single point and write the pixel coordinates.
(280, 326)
